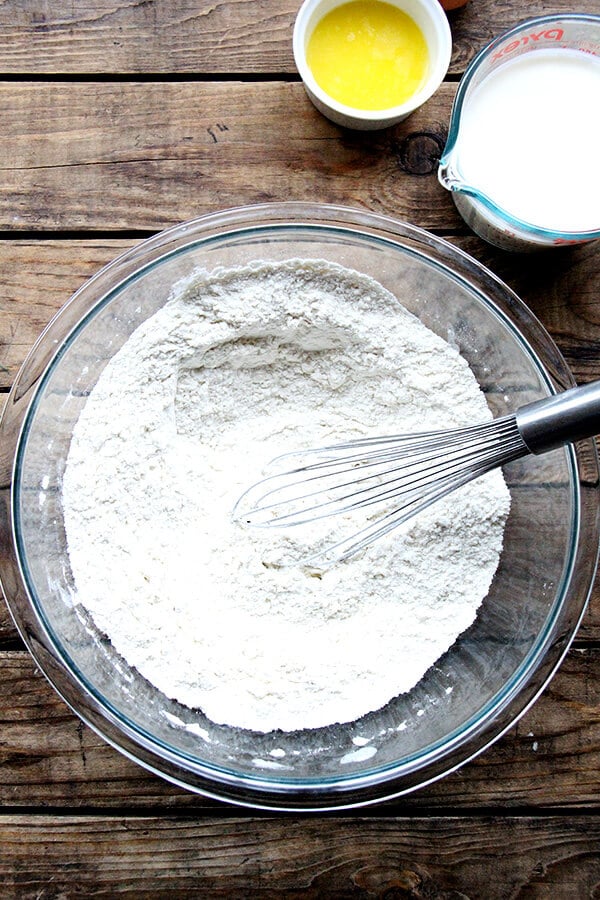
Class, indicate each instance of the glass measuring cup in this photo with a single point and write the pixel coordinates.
(578, 33)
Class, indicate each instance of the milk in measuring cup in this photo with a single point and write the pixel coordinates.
(529, 136)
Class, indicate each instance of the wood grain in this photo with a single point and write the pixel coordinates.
(165, 36)
(144, 156)
(38, 277)
(442, 859)
(549, 759)
(197, 106)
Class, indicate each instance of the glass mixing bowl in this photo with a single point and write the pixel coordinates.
(474, 692)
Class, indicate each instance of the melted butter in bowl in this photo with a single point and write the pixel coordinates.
(368, 54)
(368, 64)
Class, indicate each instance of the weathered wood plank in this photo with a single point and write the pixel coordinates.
(127, 36)
(145, 156)
(131, 155)
(447, 859)
(561, 288)
(167, 36)
(549, 759)
(37, 278)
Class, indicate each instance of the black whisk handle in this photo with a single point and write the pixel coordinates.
(560, 419)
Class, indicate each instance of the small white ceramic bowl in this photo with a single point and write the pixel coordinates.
(431, 19)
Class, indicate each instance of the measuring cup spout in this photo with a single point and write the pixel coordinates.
(448, 176)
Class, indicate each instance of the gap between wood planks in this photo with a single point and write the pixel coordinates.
(224, 810)
(142, 234)
(69, 234)
(198, 77)
(149, 77)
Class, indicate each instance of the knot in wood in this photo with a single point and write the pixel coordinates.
(420, 152)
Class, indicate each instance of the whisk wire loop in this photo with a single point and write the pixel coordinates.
(404, 474)
(400, 474)
(413, 503)
(341, 483)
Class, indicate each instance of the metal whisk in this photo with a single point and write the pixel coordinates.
(404, 474)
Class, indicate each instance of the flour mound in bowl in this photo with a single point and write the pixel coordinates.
(239, 366)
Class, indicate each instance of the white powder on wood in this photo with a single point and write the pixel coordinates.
(239, 366)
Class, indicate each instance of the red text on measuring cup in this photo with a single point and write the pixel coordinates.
(551, 34)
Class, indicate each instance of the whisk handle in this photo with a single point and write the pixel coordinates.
(560, 419)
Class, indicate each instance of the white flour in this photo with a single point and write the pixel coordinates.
(238, 366)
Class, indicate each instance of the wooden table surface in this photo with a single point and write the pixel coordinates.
(121, 117)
